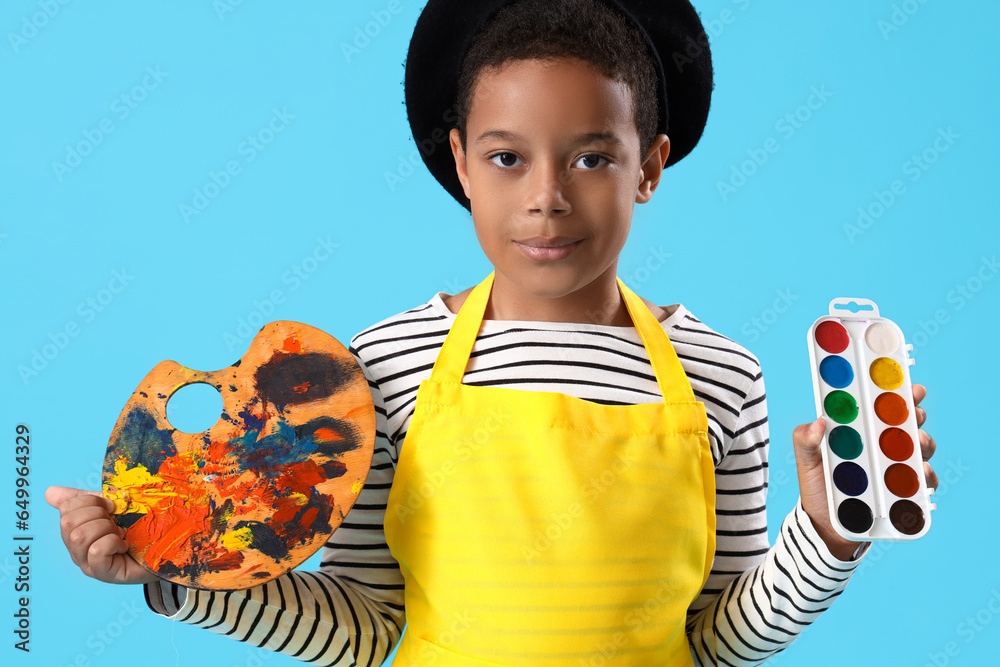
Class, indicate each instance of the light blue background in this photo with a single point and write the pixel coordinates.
(778, 243)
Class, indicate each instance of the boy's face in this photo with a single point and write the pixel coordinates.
(552, 171)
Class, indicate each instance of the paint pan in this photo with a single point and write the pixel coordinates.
(871, 450)
(264, 487)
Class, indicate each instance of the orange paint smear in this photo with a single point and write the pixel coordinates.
(327, 434)
(354, 412)
(301, 388)
(182, 530)
(169, 540)
(292, 344)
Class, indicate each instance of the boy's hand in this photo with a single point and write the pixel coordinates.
(94, 540)
(807, 439)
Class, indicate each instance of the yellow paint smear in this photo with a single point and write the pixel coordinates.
(135, 490)
(237, 540)
(356, 487)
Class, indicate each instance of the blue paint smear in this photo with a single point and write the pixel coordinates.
(141, 442)
(268, 455)
(251, 421)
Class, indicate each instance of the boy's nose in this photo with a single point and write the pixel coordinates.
(549, 186)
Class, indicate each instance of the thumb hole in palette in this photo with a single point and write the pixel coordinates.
(194, 408)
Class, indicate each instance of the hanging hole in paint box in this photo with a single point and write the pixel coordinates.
(854, 307)
(194, 408)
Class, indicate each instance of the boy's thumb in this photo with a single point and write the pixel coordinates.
(57, 495)
(806, 439)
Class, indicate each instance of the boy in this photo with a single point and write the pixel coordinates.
(545, 488)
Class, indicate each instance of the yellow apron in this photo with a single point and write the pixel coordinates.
(537, 528)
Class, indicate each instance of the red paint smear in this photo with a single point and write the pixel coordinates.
(242, 490)
(292, 344)
(327, 434)
(180, 531)
(230, 561)
(169, 538)
(309, 516)
(302, 475)
(301, 388)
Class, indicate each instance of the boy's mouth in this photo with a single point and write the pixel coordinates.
(548, 248)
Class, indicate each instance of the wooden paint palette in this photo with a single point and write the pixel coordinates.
(265, 486)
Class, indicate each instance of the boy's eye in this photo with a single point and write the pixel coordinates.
(506, 159)
(591, 161)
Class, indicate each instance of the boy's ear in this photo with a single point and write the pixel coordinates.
(652, 168)
(461, 165)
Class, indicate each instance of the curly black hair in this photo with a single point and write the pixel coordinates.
(551, 29)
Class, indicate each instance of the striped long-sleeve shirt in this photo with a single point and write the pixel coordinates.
(757, 599)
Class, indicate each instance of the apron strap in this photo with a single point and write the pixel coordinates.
(667, 367)
(454, 356)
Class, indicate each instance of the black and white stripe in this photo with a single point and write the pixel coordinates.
(756, 601)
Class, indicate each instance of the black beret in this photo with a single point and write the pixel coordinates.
(446, 29)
